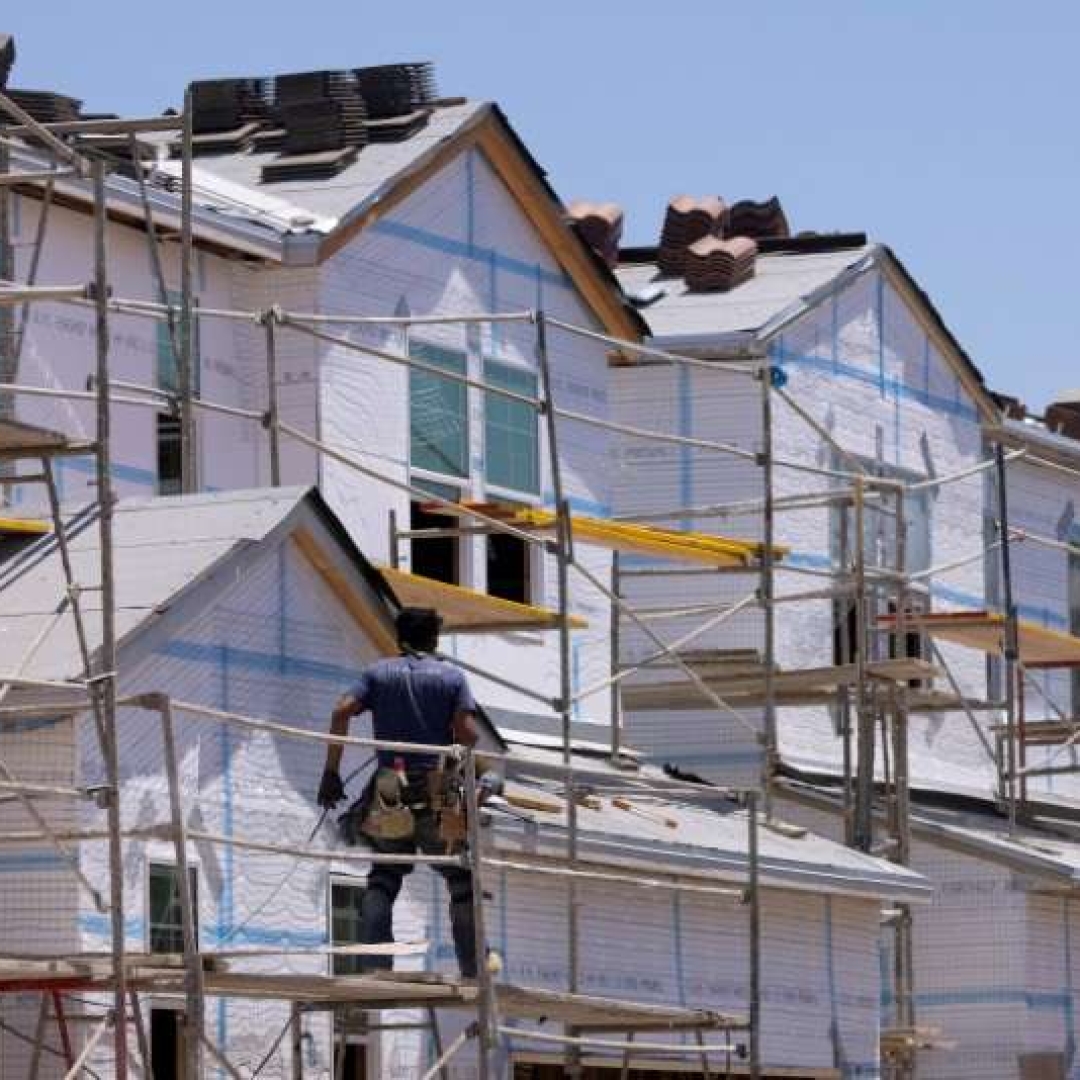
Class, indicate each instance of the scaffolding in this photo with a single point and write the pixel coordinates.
(126, 975)
(875, 685)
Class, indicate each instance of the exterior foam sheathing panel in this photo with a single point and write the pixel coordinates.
(424, 259)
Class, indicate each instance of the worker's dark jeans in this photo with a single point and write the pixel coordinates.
(384, 884)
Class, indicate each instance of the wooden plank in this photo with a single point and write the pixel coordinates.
(368, 621)
(627, 537)
(17, 438)
(468, 611)
(984, 631)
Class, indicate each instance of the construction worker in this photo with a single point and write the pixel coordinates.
(415, 697)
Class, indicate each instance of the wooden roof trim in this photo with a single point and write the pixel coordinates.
(603, 297)
(381, 638)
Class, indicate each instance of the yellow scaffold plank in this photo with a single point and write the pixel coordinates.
(467, 611)
(632, 538)
(23, 527)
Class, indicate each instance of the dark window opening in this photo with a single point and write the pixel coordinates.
(166, 1044)
(169, 459)
(434, 557)
(165, 921)
(508, 568)
(845, 622)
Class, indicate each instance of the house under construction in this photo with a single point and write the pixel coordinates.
(722, 539)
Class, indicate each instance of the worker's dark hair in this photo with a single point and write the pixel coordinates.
(418, 628)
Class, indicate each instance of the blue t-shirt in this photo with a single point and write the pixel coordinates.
(413, 699)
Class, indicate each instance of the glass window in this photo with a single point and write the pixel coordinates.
(345, 924)
(511, 430)
(165, 923)
(167, 373)
(438, 412)
(169, 459)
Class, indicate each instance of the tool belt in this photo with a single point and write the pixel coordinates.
(389, 807)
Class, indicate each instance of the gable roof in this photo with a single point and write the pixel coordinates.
(787, 284)
(164, 548)
(780, 281)
(305, 222)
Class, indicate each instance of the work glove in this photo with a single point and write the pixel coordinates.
(331, 789)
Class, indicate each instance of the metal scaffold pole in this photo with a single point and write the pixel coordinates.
(273, 416)
(564, 554)
(754, 901)
(1011, 639)
(193, 987)
(863, 826)
(765, 374)
(903, 972)
(104, 685)
(486, 1018)
(615, 650)
(7, 273)
(189, 480)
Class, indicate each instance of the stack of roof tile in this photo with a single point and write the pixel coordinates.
(715, 265)
(321, 121)
(688, 219)
(393, 90)
(320, 110)
(600, 225)
(759, 220)
(7, 58)
(46, 106)
(226, 104)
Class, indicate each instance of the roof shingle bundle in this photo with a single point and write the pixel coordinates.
(47, 106)
(392, 90)
(687, 220)
(600, 225)
(226, 104)
(715, 265)
(320, 110)
(759, 220)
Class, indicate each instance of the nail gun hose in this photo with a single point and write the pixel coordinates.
(345, 783)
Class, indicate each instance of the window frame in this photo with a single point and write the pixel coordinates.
(193, 873)
(163, 353)
(343, 881)
(528, 494)
(417, 349)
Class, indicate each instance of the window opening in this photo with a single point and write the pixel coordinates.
(169, 456)
(166, 927)
(509, 568)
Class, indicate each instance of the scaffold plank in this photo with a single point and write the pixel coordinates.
(468, 611)
(984, 631)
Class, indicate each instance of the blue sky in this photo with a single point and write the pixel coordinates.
(946, 128)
